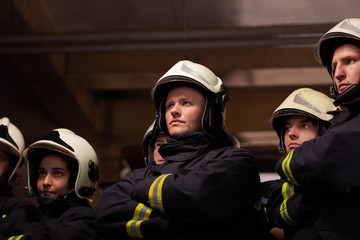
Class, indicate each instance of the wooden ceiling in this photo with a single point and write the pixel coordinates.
(89, 65)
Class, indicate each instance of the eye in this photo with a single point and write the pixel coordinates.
(58, 173)
(170, 105)
(186, 103)
(42, 174)
(349, 61)
(158, 144)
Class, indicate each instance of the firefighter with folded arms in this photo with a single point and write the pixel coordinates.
(208, 185)
(328, 168)
(303, 116)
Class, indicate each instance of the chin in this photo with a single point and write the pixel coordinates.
(174, 133)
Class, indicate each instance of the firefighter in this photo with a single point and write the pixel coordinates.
(328, 169)
(152, 141)
(207, 187)
(62, 175)
(13, 210)
(302, 116)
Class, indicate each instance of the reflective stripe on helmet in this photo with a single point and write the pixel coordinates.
(155, 193)
(287, 191)
(141, 214)
(196, 75)
(286, 169)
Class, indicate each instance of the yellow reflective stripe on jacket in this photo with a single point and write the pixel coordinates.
(155, 193)
(141, 213)
(286, 169)
(287, 191)
(15, 237)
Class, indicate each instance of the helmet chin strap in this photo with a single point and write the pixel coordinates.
(349, 96)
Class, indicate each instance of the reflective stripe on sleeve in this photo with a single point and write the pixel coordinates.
(286, 169)
(15, 237)
(141, 213)
(287, 192)
(155, 193)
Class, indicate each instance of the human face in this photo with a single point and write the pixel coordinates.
(4, 162)
(53, 177)
(346, 66)
(184, 110)
(299, 129)
(160, 140)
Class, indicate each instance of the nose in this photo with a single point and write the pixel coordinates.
(293, 133)
(175, 111)
(47, 180)
(339, 73)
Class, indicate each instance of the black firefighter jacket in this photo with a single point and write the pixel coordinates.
(327, 170)
(14, 214)
(202, 192)
(63, 220)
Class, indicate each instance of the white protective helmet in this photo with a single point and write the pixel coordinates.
(347, 31)
(12, 141)
(188, 73)
(302, 102)
(71, 145)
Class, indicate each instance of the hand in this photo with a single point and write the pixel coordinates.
(278, 233)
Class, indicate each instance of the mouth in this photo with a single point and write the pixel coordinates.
(293, 145)
(173, 122)
(343, 87)
(46, 193)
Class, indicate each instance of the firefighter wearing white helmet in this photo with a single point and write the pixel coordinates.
(62, 175)
(345, 32)
(13, 209)
(152, 140)
(327, 168)
(302, 102)
(203, 170)
(194, 75)
(68, 144)
(303, 116)
(11, 144)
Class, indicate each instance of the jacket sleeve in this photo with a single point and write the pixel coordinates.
(327, 164)
(288, 205)
(225, 182)
(76, 223)
(121, 217)
(18, 217)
